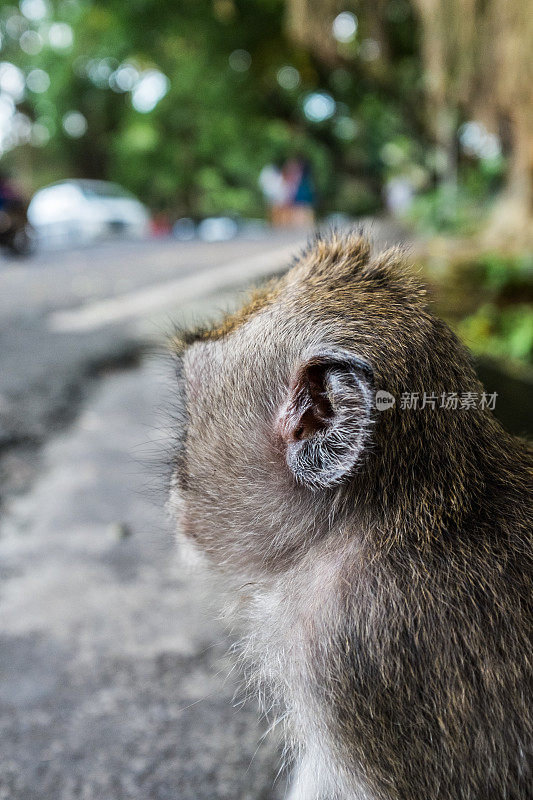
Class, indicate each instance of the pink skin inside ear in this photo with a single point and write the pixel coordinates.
(307, 409)
(288, 424)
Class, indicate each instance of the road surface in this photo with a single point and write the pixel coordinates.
(115, 675)
(65, 317)
(115, 679)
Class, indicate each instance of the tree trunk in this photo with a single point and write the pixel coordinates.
(478, 65)
(309, 25)
(511, 219)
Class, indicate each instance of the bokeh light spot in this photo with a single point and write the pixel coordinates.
(369, 50)
(74, 124)
(151, 87)
(40, 135)
(12, 80)
(477, 141)
(124, 78)
(22, 126)
(344, 26)
(240, 60)
(34, 10)
(60, 36)
(16, 25)
(31, 43)
(38, 81)
(288, 77)
(346, 128)
(319, 106)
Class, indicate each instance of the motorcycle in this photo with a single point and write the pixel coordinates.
(15, 230)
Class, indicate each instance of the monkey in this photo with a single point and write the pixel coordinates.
(380, 559)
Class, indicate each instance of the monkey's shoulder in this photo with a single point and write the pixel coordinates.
(410, 664)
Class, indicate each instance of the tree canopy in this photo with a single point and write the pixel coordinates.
(184, 102)
(238, 92)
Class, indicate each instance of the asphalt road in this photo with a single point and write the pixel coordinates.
(65, 279)
(65, 317)
(115, 679)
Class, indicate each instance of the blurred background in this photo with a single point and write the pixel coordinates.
(416, 108)
(156, 158)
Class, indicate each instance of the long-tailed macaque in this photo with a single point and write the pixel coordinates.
(381, 554)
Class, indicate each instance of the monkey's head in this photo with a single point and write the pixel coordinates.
(281, 441)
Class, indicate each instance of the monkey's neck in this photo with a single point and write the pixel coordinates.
(440, 484)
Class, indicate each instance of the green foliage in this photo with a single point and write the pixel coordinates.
(504, 333)
(490, 302)
(484, 178)
(226, 113)
(500, 274)
(459, 206)
(446, 209)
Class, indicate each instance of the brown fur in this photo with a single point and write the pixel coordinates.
(391, 612)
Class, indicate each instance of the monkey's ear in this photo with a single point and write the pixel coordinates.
(325, 421)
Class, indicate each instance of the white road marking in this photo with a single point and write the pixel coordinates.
(142, 302)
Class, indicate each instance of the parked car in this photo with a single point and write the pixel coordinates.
(75, 212)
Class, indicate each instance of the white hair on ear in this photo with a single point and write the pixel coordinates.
(332, 449)
(326, 458)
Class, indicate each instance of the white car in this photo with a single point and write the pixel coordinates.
(75, 212)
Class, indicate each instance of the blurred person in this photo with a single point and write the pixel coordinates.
(14, 227)
(290, 193)
(9, 194)
(298, 209)
(291, 175)
(303, 213)
(272, 185)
